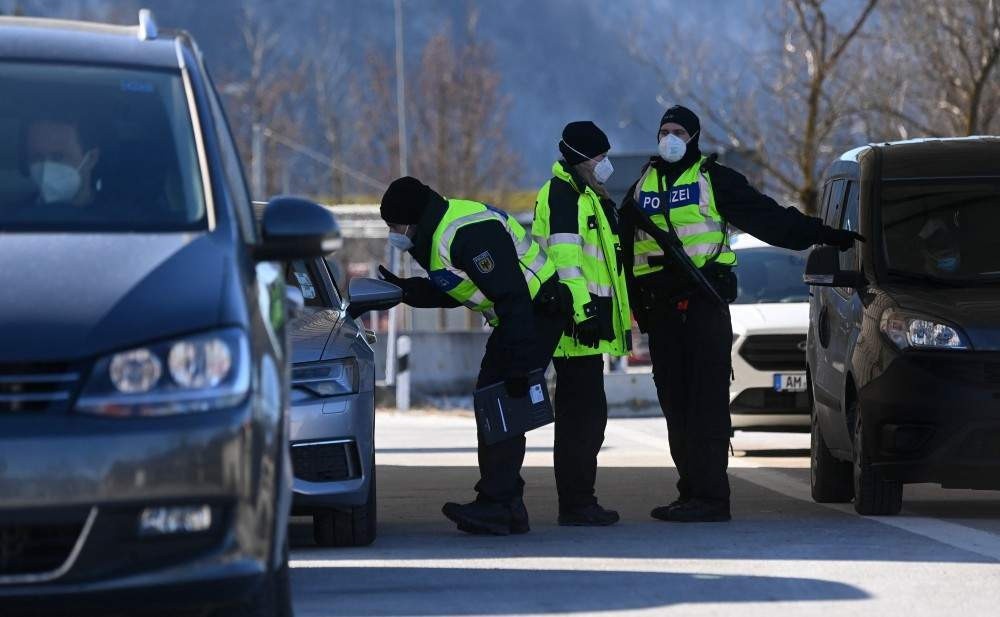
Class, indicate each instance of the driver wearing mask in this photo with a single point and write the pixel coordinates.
(60, 160)
(940, 246)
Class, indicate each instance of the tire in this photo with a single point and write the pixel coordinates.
(354, 527)
(273, 598)
(831, 479)
(872, 495)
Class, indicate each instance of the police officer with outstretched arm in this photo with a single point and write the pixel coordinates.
(577, 223)
(480, 257)
(694, 199)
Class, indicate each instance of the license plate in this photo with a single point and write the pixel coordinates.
(790, 382)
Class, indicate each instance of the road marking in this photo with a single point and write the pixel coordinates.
(953, 534)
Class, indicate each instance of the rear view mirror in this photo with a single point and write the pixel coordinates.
(371, 295)
(823, 270)
(295, 228)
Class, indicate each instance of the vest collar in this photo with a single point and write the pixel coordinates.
(564, 171)
(436, 208)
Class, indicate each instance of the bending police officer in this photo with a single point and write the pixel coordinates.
(479, 257)
(577, 224)
(690, 339)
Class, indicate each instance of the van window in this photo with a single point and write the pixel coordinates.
(944, 229)
(849, 259)
(835, 200)
(299, 274)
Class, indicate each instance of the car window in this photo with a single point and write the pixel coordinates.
(233, 169)
(121, 157)
(849, 220)
(770, 274)
(835, 199)
(299, 274)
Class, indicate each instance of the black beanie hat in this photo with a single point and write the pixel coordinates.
(584, 137)
(684, 117)
(404, 201)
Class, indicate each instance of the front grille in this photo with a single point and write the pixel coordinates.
(775, 352)
(770, 401)
(950, 367)
(326, 461)
(36, 387)
(32, 549)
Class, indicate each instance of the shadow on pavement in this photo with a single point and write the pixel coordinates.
(766, 524)
(452, 591)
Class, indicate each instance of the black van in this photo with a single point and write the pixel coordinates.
(904, 339)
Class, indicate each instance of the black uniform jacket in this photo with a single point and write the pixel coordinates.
(740, 205)
(504, 284)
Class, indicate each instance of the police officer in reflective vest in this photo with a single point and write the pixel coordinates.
(480, 257)
(690, 340)
(577, 224)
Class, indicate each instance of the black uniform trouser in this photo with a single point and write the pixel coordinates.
(690, 350)
(581, 417)
(500, 464)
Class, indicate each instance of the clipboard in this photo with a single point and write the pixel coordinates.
(500, 416)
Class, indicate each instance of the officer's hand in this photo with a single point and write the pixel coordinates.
(389, 277)
(588, 332)
(516, 384)
(843, 239)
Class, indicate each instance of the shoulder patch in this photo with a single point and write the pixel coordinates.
(484, 262)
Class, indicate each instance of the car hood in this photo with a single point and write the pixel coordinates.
(310, 333)
(974, 310)
(73, 296)
(770, 317)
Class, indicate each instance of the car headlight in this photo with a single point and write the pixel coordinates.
(908, 330)
(193, 374)
(324, 379)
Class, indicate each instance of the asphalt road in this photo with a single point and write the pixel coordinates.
(781, 555)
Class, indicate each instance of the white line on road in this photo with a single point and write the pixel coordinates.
(946, 532)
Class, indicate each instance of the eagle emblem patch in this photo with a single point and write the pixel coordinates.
(484, 262)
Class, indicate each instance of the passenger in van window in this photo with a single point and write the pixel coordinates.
(684, 193)
(940, 242)
(60, 158)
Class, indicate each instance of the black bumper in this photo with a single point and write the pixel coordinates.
(935, 417)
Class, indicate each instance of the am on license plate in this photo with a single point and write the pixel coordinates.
(790, 382)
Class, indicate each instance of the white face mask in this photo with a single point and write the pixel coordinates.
(672, 148)
(603, 170)
(56, 181)
(400, 241)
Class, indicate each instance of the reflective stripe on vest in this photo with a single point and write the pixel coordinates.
(690, 204)
(453, 281)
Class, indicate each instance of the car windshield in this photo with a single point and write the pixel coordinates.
(946, 230)
(768, 274)
(96, 149)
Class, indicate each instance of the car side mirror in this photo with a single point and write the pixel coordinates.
(295, 228)
(823, 270)
(365, 295)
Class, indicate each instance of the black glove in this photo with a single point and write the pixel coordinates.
(389, 277)
(588, 332)
(516, 383)
(843, 239)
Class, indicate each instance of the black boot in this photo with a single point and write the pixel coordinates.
(486, 518)
(697, 511)
(661, 512)
(587, 516)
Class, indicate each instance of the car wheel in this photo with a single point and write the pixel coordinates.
(831, 479)
(872, 494)
(273, 598)
(353, 527)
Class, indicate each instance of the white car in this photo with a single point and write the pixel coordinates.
(770, 321)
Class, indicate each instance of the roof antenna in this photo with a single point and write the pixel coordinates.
(147, 25)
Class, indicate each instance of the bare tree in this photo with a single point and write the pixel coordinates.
(265, 92)
(787, 107)
(460, 144)
(943, 78)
